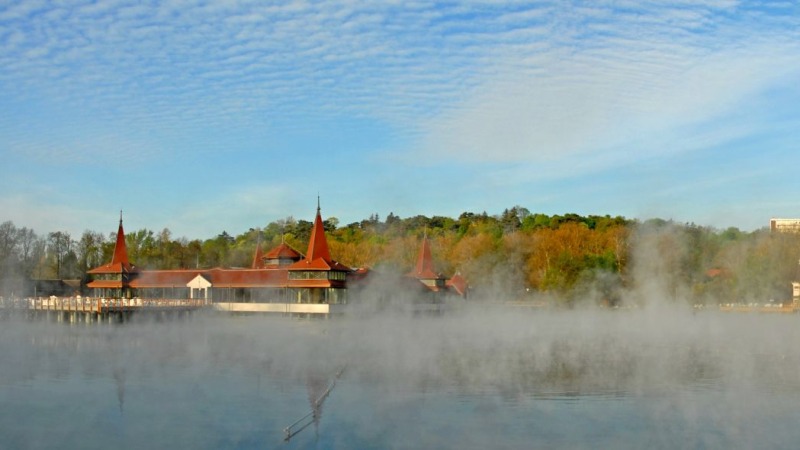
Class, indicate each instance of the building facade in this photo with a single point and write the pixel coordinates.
(785, 225)
(282, 276)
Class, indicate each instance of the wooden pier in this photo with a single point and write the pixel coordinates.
(92, 309)
(766, 308)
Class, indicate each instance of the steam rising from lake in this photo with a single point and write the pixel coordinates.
(479, 377)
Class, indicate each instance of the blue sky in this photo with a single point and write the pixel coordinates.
(204, 116)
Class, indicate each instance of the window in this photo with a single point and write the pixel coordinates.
(308, 275)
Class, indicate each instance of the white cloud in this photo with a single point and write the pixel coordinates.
(589, 102)
(533, 88)
(95, 147)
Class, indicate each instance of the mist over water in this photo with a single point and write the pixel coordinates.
(478, 377)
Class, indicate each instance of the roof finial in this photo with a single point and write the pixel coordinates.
(318, 209)
(120, 217)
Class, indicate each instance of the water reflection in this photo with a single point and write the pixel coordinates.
(489, 380)
(319, 388)
(119, 378)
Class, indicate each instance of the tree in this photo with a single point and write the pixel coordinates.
(512, 219)
(59, 246)
(215, 251)
(10, 277)
(90, 250)
(330, 224)
(8, 242)
(476, 256)
(30, 250)
(570, 256)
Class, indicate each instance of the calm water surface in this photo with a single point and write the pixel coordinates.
(488, 378)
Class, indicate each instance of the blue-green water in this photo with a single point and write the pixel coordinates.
(480, 379)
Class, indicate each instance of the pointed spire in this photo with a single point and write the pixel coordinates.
(120, 250)
(424, 268)
(318, 244)
(258, 258)
(119, 260)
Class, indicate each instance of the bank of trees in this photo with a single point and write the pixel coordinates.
(516, 254)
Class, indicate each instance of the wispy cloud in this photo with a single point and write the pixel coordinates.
(597, 100)
(546, 89)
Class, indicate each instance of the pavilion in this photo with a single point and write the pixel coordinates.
(281, 280)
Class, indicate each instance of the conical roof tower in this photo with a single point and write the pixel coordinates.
(119, 260)
(113, 279)
(424, 267)
(318, 256)
(258, 257)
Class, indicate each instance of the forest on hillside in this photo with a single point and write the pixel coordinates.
(516, 254)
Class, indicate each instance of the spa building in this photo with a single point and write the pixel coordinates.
(280, 280)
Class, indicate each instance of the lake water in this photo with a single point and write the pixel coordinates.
(486, 377)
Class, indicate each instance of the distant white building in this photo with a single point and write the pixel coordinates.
(785, 225)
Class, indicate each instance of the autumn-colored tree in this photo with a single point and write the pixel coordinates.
(570, 256)
(476, 257)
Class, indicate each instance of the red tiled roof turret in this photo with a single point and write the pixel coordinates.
(459, 284)
(120, 250)
(258, 258)
(318, 256)
(283, 251)
(119, 261)
(318, 244)
(424, 267)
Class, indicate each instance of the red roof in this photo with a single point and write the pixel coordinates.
(164, 278)
(359, 277)
(222, 278)
(283, 251)
(316, 283)
(318, 244)
(424, 268)
(458, 284)
(219, 278)
(119, 262)
(318, 264)
(717, 272)
(105, 284)
(113, 268)
(258, 258)
(318, 257)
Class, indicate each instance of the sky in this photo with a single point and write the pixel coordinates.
(209, 116)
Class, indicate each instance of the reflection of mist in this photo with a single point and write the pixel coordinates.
(119, 378)
(502, 357)
(470, 349)
(318, 388)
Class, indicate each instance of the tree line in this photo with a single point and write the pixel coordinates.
(516, 253)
